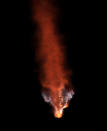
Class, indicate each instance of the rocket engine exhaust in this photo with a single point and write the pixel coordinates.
(50, 55)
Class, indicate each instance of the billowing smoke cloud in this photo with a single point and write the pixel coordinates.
(50, 55)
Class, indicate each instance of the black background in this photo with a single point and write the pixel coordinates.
(78, 26)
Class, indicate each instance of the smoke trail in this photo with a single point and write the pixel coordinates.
(50, 54)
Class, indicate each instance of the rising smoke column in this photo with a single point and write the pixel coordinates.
(50, 55)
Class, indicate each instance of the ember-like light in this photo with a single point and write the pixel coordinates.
(58, 113)
(51, 58)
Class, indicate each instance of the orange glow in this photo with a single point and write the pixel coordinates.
(66, 106)
(50, 55)
(58, 114)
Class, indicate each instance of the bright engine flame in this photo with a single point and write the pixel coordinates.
(58, 113)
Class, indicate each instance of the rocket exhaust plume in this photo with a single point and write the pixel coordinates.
(50, 55)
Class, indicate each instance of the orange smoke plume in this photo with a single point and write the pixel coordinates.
(50, 54)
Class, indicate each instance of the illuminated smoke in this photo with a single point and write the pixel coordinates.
(50, 55)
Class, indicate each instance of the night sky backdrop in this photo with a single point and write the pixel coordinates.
(76, 25)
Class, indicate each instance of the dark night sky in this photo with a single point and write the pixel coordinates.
(77, 22)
